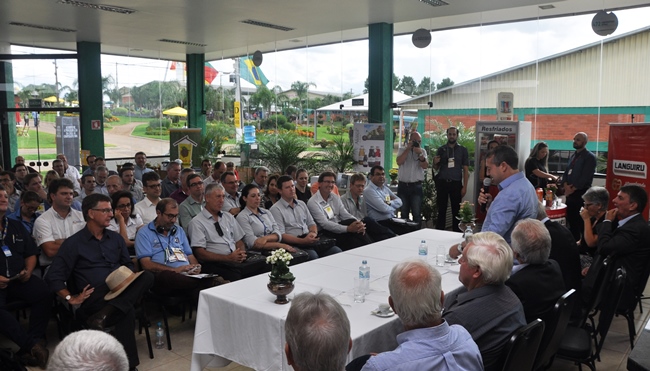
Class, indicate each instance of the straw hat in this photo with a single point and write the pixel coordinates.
(119, 280)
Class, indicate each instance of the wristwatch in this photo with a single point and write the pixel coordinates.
(68, 297)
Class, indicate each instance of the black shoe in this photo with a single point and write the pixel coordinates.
(98, 320)
(41, 355)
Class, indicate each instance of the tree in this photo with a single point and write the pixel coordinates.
(407, 85)
(302, 91)
(264, 97)
(426, 86)
(445, 83)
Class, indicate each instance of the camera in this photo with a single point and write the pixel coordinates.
(416, 144)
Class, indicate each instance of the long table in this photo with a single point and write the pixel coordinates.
(239, 321)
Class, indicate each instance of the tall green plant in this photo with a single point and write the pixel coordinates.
(341, 154)
(215, 136)
(277, 152)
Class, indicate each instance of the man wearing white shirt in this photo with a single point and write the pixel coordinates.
(382, 203)
(147, 207)
(231, 184)
(70, 172)
(193, 204)
(331, 217)
(217, 171)
(57, 223)
(101, 173)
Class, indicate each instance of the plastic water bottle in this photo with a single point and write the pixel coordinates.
(468, 235)
(364, 275)
(249, 134)
(423, 250)
(160, 336)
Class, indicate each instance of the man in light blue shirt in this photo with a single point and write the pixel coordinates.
(516, 200)
(382, 203)
(428, 342)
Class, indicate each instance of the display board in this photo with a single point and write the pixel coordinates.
(368, 142)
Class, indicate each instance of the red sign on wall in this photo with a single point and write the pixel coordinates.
(96, 124)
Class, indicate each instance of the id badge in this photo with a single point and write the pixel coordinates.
(450, 163)
(178, 255)
(570, 171)
(387, 198)
(5, 249)
(328, 211)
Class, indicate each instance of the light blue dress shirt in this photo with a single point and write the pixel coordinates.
(376, 205)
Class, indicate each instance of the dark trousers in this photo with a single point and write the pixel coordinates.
(38, 295)
(448, 190)
(169, 283)
(574, 221)
(123, 318)
(411, 196)
(398, 228)
(347, 241)
(376, 231)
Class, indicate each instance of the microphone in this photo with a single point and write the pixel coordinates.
(487, 182)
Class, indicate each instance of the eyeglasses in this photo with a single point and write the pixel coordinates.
(171, 216)
(157, 185)
(104, 211)
(328, 182)
(196, 184)
(587, 204)
(218, 228)
(123, 206)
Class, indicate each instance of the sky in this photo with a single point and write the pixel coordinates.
(460, 54)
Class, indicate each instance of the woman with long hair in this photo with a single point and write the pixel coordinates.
(260, 229)
(272, 193)
(537, 165)
(302, 192)
(125, 221)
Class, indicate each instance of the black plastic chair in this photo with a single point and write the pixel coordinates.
(628, 305)
(523, 346)
(593, 289)
(554, 330)
(162, 301)
(576, 345)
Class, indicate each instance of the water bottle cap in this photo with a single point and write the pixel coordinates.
(364, 262)
(423, 241)
(159, 324)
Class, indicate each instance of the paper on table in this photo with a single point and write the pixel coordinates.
(200, 275)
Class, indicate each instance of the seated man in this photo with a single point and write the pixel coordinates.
(183, 192)
(87, 186)
(192, 205)
(382, 203)
(147, 207)
(331, 217)
(162, 249)
(429, 342)
(218, 240)
(485, 306)
(27, 213)
(231, 185)
(536, 280)
(80, 270)
(627, 242)
(355, 205)
(317, 332)
(129, 183)
(295, 222)
(17, 263)
(88, 350)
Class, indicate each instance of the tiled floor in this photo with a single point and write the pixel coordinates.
(613, 356)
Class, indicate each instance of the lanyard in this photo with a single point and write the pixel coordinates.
(261, 221)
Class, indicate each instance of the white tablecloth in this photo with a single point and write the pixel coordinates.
(239, 321)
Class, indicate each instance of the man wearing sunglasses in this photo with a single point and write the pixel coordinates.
(218, 240)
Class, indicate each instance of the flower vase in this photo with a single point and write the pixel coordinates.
(280, 290)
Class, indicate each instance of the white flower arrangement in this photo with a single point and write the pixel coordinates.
(279, 260)
(279, 255)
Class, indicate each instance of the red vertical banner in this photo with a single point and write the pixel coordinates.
(628, 158)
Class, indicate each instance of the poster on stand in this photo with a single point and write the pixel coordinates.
(368, 140)
(628, 158)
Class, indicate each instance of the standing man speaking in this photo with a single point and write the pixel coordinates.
(452, 162)
(412, 160)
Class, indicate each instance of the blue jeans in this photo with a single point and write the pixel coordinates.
(314, 255)
(411, 196)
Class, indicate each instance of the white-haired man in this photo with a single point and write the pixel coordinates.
(429, 342)
(536, 280)
(485, 306)
(89, 350)
(317, 333)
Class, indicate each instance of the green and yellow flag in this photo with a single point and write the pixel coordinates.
(251, 73)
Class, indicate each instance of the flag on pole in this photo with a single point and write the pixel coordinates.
(251, 73)
(210, 73)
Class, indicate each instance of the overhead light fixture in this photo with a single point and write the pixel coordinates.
(107, 8)
(547, 7)
(182, 42)
(434, 2)
(41, 27)
(267, 25)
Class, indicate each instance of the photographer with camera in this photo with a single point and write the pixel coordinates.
(452, 163)
(412, 161)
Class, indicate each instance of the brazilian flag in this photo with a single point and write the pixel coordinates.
(251, 73)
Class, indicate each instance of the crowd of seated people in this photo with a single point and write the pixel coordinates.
(208, 221)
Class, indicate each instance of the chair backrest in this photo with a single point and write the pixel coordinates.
(608, 306)
(595, 284)
(522, 347)
(555, 328)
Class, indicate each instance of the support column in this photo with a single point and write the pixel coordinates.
(8, 139)
(89, 72)
(380, 83)
(196, 91)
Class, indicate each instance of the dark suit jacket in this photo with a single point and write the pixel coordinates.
(538, 287)
(630, 247)
(564, 251)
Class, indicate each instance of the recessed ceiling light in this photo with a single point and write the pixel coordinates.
(434, 2)
(295, 41)
(135, 50)
(108, 8)
(267, 25)
(547, 7)
(48, 28)
(182, 42)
